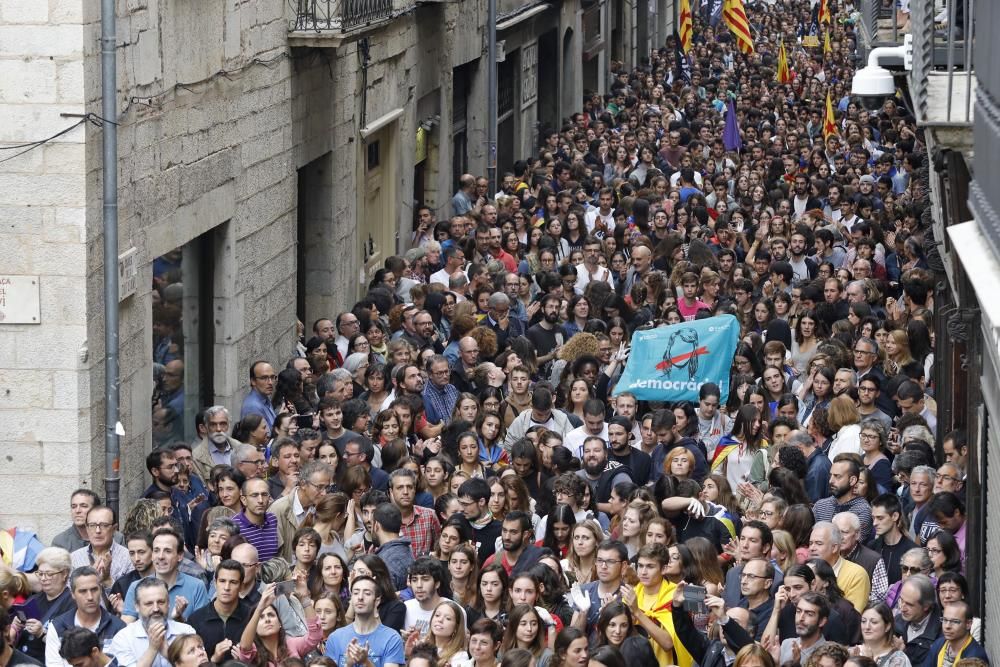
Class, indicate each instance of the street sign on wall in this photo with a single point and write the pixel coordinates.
(19, 300)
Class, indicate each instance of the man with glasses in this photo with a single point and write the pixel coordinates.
(164, 469)
(292, 510)
(612, 556)
(258, 526)
(108, 558)
(348, 325)
(949, 478)
(474, 496)
(217, 447)
(956, 643)
(869, 391)
(361, 451)
(250, 589)
(755, 542)
(865, 360)
(249, 460)
(755, 588)
(591, 271)
(262, 382)
(511, 287)
(439, 394)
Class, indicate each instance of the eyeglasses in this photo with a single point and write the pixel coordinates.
(99, 526)
(934, 551)
(267, 378)
(863, 352)
(48, 574)
(947, 478)
(247, 566)
(258, 463)
(952, 621)
(750, 575)
(605, 562)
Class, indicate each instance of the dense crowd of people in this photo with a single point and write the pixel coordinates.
(447, 475)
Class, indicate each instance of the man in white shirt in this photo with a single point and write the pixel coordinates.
(603, 213)
(454, 259)
(593, 425)
(145, 644)
(590, 270)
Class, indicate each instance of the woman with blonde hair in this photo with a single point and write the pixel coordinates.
(635, 520)
(13, 584)
(845, 421)
(897, 352)
(783, 550)
(447, 633)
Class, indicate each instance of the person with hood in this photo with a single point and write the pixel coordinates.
(541, 414)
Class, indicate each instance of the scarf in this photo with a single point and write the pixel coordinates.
(660, 609)
(958, 656)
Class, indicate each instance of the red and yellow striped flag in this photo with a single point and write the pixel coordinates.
(736, 18)
(829, 122)
(784, 74)
(686, 29)
(824, 11)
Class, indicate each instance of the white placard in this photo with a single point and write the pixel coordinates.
(19, 302)
(128, 274)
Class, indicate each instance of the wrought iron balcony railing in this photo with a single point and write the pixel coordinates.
(338, 15)
(943, 81)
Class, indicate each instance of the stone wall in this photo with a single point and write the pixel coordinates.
(45, 412)
(200, 153)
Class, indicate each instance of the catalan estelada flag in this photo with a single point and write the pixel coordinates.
(824, 11)
(829, 122)
(736, 18)
(686, 29)
(784, 75)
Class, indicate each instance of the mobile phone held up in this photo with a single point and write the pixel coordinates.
(694, 599)
(285, 588)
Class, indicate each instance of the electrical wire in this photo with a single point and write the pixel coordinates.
(32, 145)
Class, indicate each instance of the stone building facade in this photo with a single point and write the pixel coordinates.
(271, 156)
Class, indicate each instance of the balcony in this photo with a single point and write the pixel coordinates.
(943, 82)
(328, 23)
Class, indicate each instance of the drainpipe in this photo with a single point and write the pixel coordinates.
(109, 144)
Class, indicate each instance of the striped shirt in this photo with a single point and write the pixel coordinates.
(264, 538)
(121, 563)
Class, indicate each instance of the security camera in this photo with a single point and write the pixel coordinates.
(873, 84)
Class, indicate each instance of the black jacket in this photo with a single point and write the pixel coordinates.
(709, 653)
(213, 630)
(918, 648)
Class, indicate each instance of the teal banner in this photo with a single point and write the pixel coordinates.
(672, 363)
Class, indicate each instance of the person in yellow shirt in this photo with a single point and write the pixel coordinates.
(651, 602)
(852, 579)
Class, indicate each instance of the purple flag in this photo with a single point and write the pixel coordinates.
(731, 135)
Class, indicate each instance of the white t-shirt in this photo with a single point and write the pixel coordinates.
(574, 439)
(417, 617)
